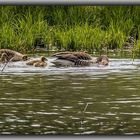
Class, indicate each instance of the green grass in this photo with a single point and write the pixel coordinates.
(86, 28)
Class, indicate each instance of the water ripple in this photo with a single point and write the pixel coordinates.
(86, 100)
(116, 65)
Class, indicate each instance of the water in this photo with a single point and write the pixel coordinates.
(79, 101)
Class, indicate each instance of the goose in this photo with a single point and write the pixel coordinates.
(77, 59)
(11, 55)
(38, 62)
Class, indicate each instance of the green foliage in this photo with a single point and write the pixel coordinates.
(86, 28)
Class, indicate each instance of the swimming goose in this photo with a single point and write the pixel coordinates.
(77, 59)
(10, 55)
(38, 62)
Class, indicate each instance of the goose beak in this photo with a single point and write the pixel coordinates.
(46, 59)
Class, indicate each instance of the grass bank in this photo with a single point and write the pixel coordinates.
(86, 28)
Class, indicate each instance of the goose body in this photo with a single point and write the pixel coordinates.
(78, 59)
(10, 55)
(38, 62)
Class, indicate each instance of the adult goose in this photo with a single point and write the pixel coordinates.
(7, 55)
(38, 62)
(78, 59)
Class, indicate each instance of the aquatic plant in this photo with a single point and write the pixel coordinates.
(87, 28)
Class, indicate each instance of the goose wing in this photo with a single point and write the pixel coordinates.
(72, 56)
(82, 55)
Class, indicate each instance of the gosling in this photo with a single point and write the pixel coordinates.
(38, 62)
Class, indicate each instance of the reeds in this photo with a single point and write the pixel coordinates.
(86, 28)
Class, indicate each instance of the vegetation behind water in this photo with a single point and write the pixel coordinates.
(86, 28)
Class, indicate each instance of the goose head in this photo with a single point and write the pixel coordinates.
(43, 59)
(102, 60)
(24, 57)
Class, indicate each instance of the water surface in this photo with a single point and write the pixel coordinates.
(87, 100)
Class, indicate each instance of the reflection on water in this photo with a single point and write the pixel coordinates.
(90, 100)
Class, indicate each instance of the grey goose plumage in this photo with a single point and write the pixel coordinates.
(77, 59)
